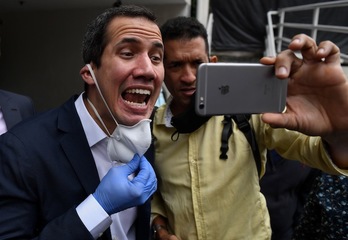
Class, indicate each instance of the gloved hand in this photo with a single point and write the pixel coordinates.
(116, 192)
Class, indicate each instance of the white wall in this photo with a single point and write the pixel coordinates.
(41, 51)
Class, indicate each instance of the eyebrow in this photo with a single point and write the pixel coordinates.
(176, 62)
(157, 44)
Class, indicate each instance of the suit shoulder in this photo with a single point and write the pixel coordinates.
(16, 97)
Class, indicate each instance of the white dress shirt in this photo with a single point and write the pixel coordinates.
(3, 127)
(90, 212)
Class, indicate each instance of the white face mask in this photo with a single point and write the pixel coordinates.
(128, 140)
(125, 141)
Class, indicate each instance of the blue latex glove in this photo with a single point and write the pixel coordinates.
(116, 192)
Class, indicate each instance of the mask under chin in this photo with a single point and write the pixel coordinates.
(128, 140)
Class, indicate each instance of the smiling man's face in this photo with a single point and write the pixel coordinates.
(131, 71)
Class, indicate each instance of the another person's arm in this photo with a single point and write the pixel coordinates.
(160, 229)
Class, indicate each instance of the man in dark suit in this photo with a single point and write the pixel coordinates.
(13, 109)
(61, 174)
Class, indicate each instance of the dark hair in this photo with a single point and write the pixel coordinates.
(184, 28)
(94, 41)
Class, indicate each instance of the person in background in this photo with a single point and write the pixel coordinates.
(325, 214)
(285, 185)
(78, 171)
(13, 109)
(201, 196)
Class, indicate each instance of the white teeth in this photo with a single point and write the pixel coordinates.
(139, 91)
(135, 104)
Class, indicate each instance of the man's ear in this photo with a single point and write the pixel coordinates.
(86, 75)
(213, 59)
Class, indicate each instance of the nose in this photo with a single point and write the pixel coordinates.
(144, 68)
(188, 74)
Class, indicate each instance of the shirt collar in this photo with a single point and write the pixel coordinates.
(94, 133)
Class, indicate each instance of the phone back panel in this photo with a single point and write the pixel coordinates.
(238, 88)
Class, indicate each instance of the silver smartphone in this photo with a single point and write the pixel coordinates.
(238, 88)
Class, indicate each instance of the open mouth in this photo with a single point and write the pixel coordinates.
(136, 97)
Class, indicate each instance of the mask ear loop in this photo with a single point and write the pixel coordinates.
(102, 97)
(98, 116)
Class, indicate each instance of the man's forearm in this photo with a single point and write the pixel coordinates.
(338, 152)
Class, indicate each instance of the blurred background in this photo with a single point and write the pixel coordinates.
(40, 40)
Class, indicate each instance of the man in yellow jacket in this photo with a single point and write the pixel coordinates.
(200, 196)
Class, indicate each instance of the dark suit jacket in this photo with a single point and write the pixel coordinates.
(46, 170)
(15, 107)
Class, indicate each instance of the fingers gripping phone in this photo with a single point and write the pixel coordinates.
(238, 88)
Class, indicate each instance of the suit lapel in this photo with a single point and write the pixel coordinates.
(76, 148)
